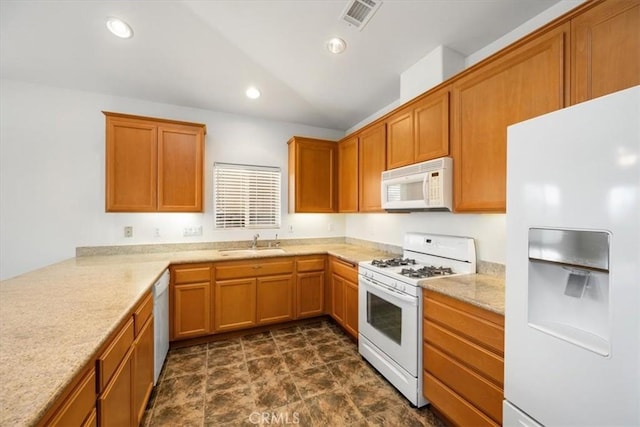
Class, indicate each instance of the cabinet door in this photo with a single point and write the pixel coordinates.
(142, 370)
(431, 124)
(79, 405)
(235, 304)
(337, 300)
(605, 49)
(131, 165)
(310, 294)
(312, 175)
(400, 142)
(274, 299)
(525, 83)
(191, 310)
(180, 160)
(351, 307)
(348, 175)
(115, 403)
(371, 163)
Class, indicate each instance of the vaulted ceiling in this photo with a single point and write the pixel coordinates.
(204, 54)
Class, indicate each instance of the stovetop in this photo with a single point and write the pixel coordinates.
(425, 257)
(409, 267)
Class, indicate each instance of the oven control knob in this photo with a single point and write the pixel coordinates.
(394, 284)
(401, 287)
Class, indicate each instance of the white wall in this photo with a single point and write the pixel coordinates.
(487, 229)
(52, 175)
(531, 25)
(429, 72)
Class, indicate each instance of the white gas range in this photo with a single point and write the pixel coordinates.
(390, 305)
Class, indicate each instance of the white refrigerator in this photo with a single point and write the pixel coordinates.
(572, 314)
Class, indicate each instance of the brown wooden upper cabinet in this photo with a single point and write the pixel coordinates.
(605, 54)
(420, 131)
(348, 175)
(153, 165)
(312, 175)
(523, 83)
(371, 164)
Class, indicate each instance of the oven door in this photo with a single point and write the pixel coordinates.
(389, 320)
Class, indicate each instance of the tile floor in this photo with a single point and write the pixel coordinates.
(309, 375)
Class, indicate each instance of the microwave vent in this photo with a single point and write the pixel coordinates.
(358, 12)
(415, 169)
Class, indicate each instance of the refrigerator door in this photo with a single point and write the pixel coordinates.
(513, 417)
(572, 329)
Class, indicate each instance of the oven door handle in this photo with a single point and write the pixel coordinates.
(396, 295)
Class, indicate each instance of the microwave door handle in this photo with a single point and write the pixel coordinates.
(425, 190)
(403, 298)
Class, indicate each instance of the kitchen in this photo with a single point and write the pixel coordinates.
(82, 216)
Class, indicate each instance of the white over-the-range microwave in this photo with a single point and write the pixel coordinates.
(422, 186)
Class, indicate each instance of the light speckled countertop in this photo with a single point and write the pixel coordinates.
(480, 290)
(54, 319)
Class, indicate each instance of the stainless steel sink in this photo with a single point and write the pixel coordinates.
(258, 251)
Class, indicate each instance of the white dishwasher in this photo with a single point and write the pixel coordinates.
(160, 323)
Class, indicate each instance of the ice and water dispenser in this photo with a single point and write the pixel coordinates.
(568, 289)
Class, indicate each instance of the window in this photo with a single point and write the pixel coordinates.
(246, 196)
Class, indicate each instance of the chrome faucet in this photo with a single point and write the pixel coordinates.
(254, 245)
(275, 243)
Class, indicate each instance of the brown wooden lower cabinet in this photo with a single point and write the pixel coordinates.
(463, 360)
(451, 405)
(235, 304)
(274, 299)
(125, 370)
(351, 307)
(114, 387)
(310, 285)
(337, 301)
(344, 294)
(79, 408)
(143, 360)
(310, 294)
(115, 402)
(190, 297)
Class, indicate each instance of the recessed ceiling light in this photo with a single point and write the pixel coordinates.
(336, 45)
(119, 28)
(252, 92)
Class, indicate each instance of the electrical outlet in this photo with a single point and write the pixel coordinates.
(194, 230)
(156, 232)
(128, 231)
(330, 226)
(291, 229)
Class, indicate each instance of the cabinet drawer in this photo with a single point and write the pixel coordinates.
(472, 322)
(252, 269)
(109, 360)
(345, 270)
(143, 313)
(201, 273)
(310, 264)
(79, 405)
(469, 385)
(457, 409)
(485, 362)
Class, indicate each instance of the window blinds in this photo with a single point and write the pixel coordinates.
(246, 196)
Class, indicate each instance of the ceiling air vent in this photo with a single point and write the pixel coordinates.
(359, 12)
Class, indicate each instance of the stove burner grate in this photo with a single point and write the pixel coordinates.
(392, 262)
(428, 271)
